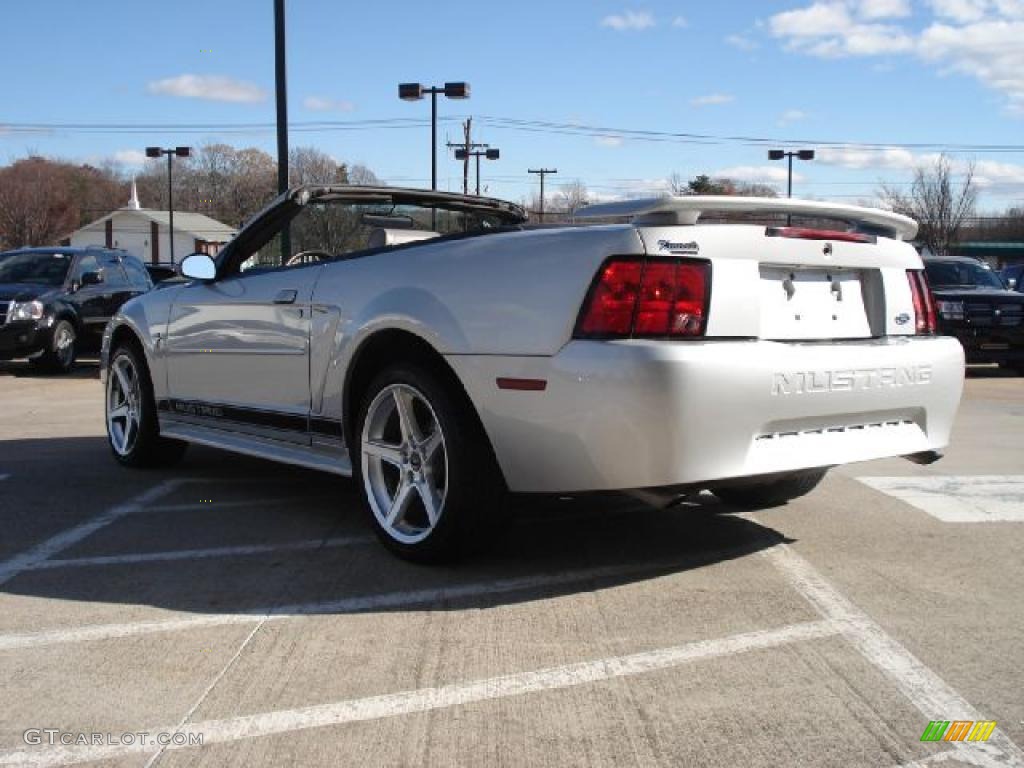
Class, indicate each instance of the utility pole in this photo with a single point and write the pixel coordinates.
(467, 149)
(542, 172)
(467, 134)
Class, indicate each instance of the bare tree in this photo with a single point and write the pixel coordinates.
(34, 207)
(360, 174)
(938, 204)
(678, 185)
(571, 197)
(308, 165)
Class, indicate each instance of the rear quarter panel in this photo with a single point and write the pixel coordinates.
(515, 293)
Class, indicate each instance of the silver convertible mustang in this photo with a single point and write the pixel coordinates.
(443, 353)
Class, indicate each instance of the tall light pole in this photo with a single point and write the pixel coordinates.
(414, 92)
(778, 154)
(491, 153)
(170, 152)
(542, 172)
(280, 87)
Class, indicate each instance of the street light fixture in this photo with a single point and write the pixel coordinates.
(779, 154)
(170, 152)
(490, 153)
(415, 92)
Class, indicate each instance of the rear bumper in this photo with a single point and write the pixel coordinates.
(983, 345)
(635, 414)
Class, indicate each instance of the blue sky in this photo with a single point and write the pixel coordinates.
(885, 72)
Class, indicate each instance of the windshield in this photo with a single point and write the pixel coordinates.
(329, 228)
(44, 268)
(961, 275)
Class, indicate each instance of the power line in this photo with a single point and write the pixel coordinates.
(506, 123)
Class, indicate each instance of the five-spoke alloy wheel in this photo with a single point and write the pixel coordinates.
(404, 463)
(123, 404)
(425, 466)
(133, 430)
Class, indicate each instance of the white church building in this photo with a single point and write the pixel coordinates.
(146, 234)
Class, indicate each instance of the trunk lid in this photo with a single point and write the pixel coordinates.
(820, 285)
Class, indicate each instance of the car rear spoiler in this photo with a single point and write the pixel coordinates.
(670, 211)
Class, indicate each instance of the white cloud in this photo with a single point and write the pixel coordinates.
(883, 9)
(816, 20)
(990, 51)
(857, 158)
(741, 42)
(208, 87)
(962, 11)
(608, 141)
(978, 38)
(763, 174)
(712, 99)
(629, 21)
(988, 174)
(792, 116)
(129, 157)
(321, 104)
(680, 22)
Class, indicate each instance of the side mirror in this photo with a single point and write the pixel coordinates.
(198, 266)
(92, 278)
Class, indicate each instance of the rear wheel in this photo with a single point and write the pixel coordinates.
(133, 431)
(427, 474)
(771, 493)
(59, 355)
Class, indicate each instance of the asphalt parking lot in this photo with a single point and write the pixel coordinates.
(247, 603)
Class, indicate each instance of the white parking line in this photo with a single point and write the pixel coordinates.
(959, 499)
(197, 554)
(285, 501)
(426, 699)
(342, 605)
(935, 699)
(28, 559)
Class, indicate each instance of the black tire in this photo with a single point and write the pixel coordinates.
(771, 493)
(148, 449)
(475, 500)
(58, 358)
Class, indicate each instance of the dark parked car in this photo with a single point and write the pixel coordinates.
(1014, 277)
(974, 305)
(164, 274)
(54, 299)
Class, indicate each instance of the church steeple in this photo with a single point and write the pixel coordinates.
(133, 203)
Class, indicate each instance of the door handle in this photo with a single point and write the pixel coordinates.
(286, 297)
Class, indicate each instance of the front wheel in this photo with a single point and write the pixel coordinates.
(133, 431)
(59, 355)
(427, 473)
(771, 493)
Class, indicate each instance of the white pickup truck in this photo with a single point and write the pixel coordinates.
(443, 352)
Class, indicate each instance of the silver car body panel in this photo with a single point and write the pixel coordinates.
(758, 395)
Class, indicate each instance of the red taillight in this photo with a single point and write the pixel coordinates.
(924, 303)
(656, 298)
(808, 233)
(609, 312)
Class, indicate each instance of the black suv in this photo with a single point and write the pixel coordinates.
(53, 299)
(974, 305)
